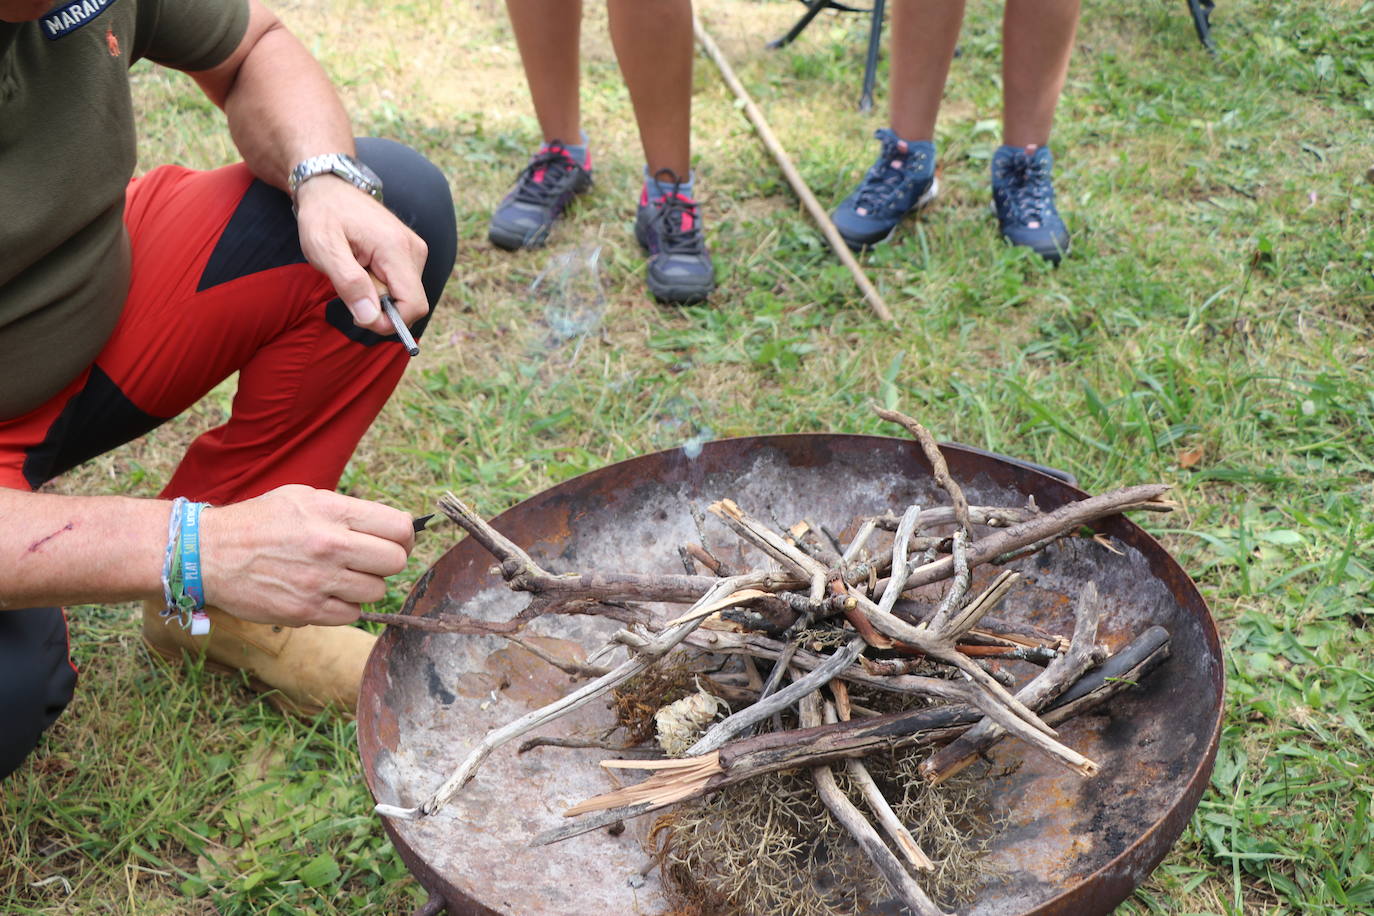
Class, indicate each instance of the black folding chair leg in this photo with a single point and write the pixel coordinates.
(875, 40)
(813, 9)
(1202, 22)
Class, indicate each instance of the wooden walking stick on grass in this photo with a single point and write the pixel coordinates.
(794, 178)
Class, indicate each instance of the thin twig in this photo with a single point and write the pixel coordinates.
(958, 588)
(851, 552)
(762, 537)
(445, 623)
(496, 543)
(873, 796)
(1066, 518)
(709, 560)
(578, 669)
(779, 669)
(901, 544)
(989, 516)
(1083, 653)
(818, 677)
(974, 612)
(585, 744)
(939, 469)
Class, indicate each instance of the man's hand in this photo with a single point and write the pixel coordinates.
(298, 556)
(346, 235)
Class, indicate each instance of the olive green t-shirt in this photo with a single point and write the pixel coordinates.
(67, 152)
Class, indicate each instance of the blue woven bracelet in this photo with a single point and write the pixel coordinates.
(191, 585)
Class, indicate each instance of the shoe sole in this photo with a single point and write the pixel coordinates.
(177, 658)
(922, 202)
(680, 295)
(516, 241)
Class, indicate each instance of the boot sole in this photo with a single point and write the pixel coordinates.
(1054, 255)
(515, 241)
(177, 657)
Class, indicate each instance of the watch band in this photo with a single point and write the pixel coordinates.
(340, 164)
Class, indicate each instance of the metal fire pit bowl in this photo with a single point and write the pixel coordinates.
(1070, 845)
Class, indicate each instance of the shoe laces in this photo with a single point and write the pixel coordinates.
(680, 231)
(886, 181)
(1024, 182)
(541, 181)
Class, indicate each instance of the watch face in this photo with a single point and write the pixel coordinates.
(360, 175)
(368, 175)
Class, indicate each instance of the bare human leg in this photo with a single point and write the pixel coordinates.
(903, 180)
(548, 34)
(924, 34)
(1037, 40)
(654, 44)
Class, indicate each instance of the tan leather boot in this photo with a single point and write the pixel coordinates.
(302, 670)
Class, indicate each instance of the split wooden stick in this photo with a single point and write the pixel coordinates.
(1083, 653)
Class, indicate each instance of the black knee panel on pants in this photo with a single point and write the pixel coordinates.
(36, 679)
(418, 193)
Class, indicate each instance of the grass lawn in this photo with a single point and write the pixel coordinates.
(1211, 329)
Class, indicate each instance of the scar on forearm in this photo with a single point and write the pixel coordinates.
(33, 548)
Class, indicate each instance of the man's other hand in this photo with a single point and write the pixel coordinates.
(347, 235)
(298, 556)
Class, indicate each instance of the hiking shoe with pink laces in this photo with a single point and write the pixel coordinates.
(541, 193)
(900, 182)
(1023, 197)
(669, 229)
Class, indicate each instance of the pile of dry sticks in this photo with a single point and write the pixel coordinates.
(772, 615)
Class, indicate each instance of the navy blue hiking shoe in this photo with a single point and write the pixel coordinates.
(1023, 196)
(542, 191)
(900, 182)
(669, 229)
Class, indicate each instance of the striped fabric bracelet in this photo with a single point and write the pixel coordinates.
(171, 557)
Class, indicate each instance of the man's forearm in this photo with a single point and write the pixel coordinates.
(282, 108)
(57, 550)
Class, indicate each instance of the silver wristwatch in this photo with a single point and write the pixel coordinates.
(346, 167)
